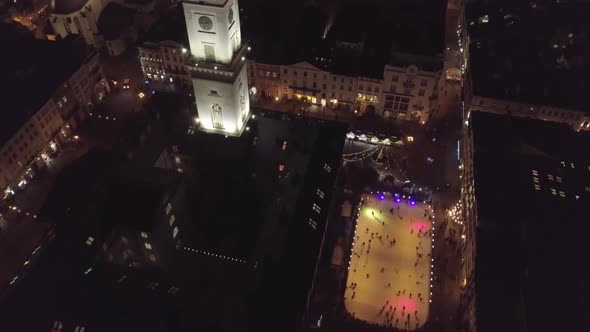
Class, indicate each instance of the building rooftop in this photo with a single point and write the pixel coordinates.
(114, 20)
(532, 185)
(67, 6)
(337, 38)
(30, 80)
(534, 53)
(171, 26)
(241, 206)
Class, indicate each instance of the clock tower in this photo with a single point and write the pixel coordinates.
(217, 65)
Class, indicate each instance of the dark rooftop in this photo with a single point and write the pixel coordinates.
(31, 79)
(114, 20)
(537, 54)
(67, 6)
(349, 43)
(240, 205)
(528, 236)
(171, 26)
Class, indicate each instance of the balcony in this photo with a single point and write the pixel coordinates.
(219, 71)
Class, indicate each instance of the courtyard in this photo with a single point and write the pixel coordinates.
(389, 274)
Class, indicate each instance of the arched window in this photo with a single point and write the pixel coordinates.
(217, 116)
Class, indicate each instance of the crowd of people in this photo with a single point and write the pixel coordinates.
(393, 312)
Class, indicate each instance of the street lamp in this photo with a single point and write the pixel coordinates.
(141, 95)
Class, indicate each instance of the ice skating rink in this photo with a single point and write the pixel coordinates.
(389, 275)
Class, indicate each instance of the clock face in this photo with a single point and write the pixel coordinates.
(230, 16)
(205, 23)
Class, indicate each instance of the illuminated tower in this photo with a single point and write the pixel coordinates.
(217, 67)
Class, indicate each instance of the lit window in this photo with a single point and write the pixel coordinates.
(152, 258)
(572, 165)
(284, 145)
(553, 191)
(562, 194)
(171, 220)
(175, 232)
(177, 159)
(312, 223)
(90, 241)
(168, 208)
(144, 235)
(537, 187)
(180, 170)
(281, 167)
(535, 173)
(536, 179)
(550, 177)
(320, 193)
(316, 208)
(147, 246)
(558, 179)
(327, 168)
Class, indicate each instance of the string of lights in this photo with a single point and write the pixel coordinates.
(207, 253)
(102, 117)
(21, 211)
(378, 148)
(361, 152)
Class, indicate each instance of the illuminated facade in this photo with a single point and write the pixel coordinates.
(165, 61)
(217, 65)
(76, 17)
(52, 123)
(406, 93)
(577, 119)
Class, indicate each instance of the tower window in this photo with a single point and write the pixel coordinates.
(284, 146)
(312, 223)
(316, 208)
(217, 115)
(320, 193)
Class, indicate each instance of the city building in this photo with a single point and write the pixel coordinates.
(507, 44)
(76, 16)
(116, 28)
(404, 91)
(217, 66)
(257, 217)
(410, 88)
(45, 104)
(165, 62)
(525, 188)
(329, 78)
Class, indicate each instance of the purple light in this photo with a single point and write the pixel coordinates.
(382, 197)
(412, 203)
(397, 199)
